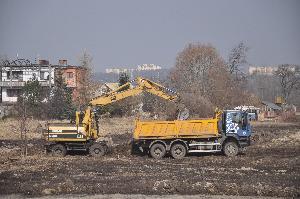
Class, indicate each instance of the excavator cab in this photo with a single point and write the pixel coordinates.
(79, 117)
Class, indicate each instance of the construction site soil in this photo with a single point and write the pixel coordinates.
(269, 167)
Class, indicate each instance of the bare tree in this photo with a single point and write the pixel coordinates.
(21, 112)
(193, 65)
(197, 75)
(202, 78)
(86, 87)
(289, 80)
(29, 104)
(237, 58)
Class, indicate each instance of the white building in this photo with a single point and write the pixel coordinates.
(263, 70)
(117, 70)
(269, 70)
(13, 78)
(144, 67)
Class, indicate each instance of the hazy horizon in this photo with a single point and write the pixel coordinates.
(129, 33)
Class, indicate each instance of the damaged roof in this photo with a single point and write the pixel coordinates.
(271, 105)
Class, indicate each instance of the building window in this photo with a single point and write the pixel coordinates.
(69, 75)
(42, 75)
(16, 75)
(13, 92)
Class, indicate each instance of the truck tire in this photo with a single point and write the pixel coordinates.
(98, 150)
(178, 151)
(58, 150)
(157, 151)
(231, 149)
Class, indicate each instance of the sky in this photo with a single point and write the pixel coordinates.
(125, 33)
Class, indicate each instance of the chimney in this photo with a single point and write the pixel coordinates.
(63, 62)
(43, 62)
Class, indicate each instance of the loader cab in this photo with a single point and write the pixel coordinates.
(89, 120)
(236, 122)
(79, 117)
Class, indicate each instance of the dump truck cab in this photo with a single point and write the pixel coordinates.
(236, 125)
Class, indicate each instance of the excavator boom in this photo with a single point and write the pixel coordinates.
(142, 84)
(129, 89)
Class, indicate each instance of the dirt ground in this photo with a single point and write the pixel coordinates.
(270, 167)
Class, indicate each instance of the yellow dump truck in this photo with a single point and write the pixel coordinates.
(230, 132)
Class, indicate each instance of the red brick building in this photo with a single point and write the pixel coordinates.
(74, 76)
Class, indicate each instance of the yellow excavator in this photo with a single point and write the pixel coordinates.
(84, 134)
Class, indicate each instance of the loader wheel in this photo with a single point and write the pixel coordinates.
(98, 150)
(59, 150)
(231, 149)
(157, 151)
(178, 151)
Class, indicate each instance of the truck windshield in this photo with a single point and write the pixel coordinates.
(241, 119)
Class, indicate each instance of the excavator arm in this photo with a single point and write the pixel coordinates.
(129, 89)
(142, 84)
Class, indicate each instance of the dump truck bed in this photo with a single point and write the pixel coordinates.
(200, 128)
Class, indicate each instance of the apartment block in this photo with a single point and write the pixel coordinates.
(14, 75)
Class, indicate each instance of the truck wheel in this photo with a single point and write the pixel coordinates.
(231, 149)
(178, 151)
(98, 150)
(158, 151)
(58, 150)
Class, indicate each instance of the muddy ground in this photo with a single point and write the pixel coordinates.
(270, 167)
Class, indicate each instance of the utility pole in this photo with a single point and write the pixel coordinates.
(262, 92)
(49, 71)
